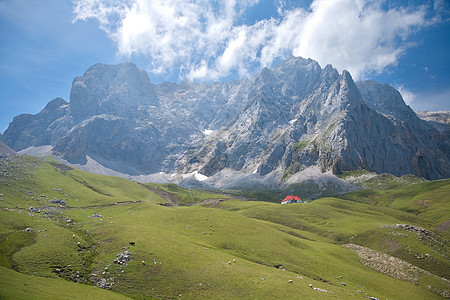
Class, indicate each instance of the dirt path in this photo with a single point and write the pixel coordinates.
(104, 205)
(213, 202)
(172, 199)
(62, 167)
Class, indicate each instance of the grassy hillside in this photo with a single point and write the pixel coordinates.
(63, 231)
(15, 285)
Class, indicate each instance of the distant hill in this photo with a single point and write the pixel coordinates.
(439, 119)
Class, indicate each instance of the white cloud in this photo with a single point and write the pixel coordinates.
(407, 95)
(357, 35)
(206, 40)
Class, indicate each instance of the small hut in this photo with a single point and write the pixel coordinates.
(291, 199)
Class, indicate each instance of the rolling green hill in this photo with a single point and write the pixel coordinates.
(64, 231)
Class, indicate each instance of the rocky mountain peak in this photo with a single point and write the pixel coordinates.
(111, 89)
(266, 77)
(385, 99)
(55, 104)
(283, 120)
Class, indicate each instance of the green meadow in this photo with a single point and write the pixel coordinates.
(66, 233)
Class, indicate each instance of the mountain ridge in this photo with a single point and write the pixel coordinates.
(285, 119)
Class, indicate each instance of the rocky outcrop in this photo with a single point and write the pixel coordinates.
(439, 119)
(424, 150)
(44, 128)
(6, 151)
(285, 119)
(111, 89)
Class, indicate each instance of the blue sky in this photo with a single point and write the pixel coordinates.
(46, 43)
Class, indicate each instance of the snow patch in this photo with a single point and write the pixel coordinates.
(292, 121)
(196, 175)
(207, 131)
(200, 177)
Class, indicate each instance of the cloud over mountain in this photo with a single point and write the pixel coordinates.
(209, 40)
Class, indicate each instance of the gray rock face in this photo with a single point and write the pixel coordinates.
(411, 139)
(111, 89)
(6, 151)
(287, 118)
(43, 128)
(438, 119)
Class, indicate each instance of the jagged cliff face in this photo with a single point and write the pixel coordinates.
(43, 128)
(284, 119)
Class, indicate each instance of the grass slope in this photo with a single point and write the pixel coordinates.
(239, 249)
(15, 285)
(185, 196)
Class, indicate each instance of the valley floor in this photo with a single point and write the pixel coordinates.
(65, 233)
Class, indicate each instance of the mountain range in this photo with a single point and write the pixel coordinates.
(274, 124)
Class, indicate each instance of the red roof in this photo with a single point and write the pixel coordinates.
(292, 198)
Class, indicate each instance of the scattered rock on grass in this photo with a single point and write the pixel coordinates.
(58, 201)
(123, 258)
(320, 290)
(34, 209)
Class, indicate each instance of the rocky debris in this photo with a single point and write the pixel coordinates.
(6, 151)
(95, 216)
(320, 290)
(123, 258)
(389, 265)
(426, 237)
(34, 209)
(105, 284)
(415, 229)
(58, 201)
